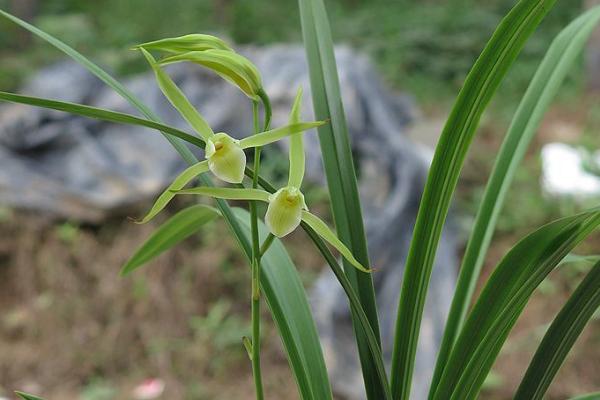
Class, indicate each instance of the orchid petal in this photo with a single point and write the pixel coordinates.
(273, 135)
(226, 159)
(326, 233)
(178, 99)
(284, 211)
(183, 179)
(227, 193)
(230, 66)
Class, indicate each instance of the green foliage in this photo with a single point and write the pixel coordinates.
(177, 228)
(470, 350)
(480, 86)
(560, 337)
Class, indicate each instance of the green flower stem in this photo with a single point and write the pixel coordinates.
(266, 244)
(256, 270)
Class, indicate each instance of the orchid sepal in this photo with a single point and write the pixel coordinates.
(178, 99)
(231, 66)
(330, 237)
(273, 135)
(182, 179)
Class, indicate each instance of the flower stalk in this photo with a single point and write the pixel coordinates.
(255, 307)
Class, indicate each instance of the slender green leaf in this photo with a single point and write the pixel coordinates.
(287, 300)
(103, 76)
(185, 153)
(589, 396)
(323, 230)
(560, 337)
(576, 258)
(183, 179)
(502, 300)
(479, 87)
(177, 228)
(227, 193)
(341, 177)
(273, 135)
(544, 85)
(178, 99)
(26, 396)
(101, 114)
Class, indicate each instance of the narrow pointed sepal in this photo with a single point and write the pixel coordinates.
(326, 233)
(226, 158)
(183, 179)
(284, 211)
(273, 135)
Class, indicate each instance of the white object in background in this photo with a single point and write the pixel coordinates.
(563, 172)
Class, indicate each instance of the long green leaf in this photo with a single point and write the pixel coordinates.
(502, 300)
(291, 313)
(479, 87)
(546, 82)
(320, 375)
(560, 337)
(589, 396)
(341, 177)
(103, 76)
(101, 114)
(177, 228)
(26, 396)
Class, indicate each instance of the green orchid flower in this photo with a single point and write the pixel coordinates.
(225, 156)
(214, 54)
(286, 207)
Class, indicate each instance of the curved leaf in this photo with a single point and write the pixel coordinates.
(560, 337)
(502, 300)
(549, 76)
(177, 228)
(100, 114)
(26, 396)
(103, 76)
(479, 87)
(589, 396)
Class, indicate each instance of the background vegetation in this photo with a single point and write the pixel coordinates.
(424, 48)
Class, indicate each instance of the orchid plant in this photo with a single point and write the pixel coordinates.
(476, 328)
(226, 159)
(225, 156)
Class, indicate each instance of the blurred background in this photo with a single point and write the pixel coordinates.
(71, 328)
